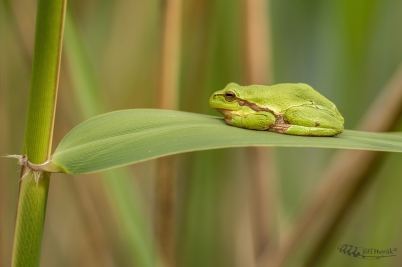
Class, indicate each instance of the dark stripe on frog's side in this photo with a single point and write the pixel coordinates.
(280, 126)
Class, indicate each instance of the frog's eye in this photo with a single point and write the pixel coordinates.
(230, 96)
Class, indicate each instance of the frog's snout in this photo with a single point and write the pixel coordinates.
(211, 100)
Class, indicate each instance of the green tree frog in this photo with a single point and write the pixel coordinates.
(286, 108)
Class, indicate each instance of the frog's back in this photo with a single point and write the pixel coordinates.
(280, 96)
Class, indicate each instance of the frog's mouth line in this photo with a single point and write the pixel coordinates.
(252, 106)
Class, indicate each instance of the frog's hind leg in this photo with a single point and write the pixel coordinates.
(312, 121)
(311, 131)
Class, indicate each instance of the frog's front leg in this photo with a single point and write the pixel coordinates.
(260, 120)
(313, 121)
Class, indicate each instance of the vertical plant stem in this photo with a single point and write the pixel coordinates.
(170, 69)
(121, 194)
(258, 71)
(257, 42)
(39, 131)
(165, 211)
(168, 99)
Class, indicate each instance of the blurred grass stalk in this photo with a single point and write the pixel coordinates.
(168, 99)
(39, 131)
(343, 181)
(122, 196)
(258, 70)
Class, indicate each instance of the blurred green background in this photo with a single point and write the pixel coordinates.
(347, 50)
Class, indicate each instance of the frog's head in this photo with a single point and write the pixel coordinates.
(225, 99)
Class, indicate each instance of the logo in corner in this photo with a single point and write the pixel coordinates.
(366, 253)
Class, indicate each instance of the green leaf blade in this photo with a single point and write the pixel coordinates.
(129, 136)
